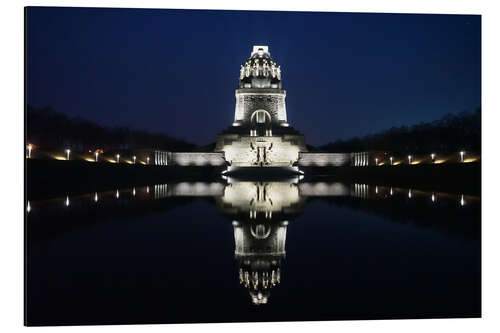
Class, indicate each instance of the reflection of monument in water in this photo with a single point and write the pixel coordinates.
(260, 213)
(260, 134)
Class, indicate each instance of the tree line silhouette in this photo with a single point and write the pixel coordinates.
(49, 129)
(449, 134)
(52, 130)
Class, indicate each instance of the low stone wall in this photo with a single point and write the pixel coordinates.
(197, 159)
(324, 159)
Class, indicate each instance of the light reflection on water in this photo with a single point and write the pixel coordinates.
(282, 193)
(260, 215)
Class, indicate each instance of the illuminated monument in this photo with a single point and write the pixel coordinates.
(260, 140)
(260, 135)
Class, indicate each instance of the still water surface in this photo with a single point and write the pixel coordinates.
(252, 251)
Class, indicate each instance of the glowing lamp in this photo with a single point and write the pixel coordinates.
(67, 154)
(30, 148)
(117, 158)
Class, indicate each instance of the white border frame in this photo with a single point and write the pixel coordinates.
(12, 88)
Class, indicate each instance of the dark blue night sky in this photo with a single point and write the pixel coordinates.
(175, 71)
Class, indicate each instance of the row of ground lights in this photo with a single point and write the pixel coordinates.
(30, 147)
(410, 158)
(134, 158)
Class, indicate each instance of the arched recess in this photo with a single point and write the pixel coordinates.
(260, 123)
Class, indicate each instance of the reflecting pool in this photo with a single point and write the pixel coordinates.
(252, 251)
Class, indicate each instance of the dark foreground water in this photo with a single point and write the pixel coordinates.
(250, 251)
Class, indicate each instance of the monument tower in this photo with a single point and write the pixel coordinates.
(260, 135)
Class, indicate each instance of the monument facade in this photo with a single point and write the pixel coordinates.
(260, 135)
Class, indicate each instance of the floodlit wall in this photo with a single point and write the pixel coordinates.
(360, 159)
(324, 159)
(160, 157)
(197, 159)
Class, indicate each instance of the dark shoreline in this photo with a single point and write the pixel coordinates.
(464, 178)
(51, 178)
